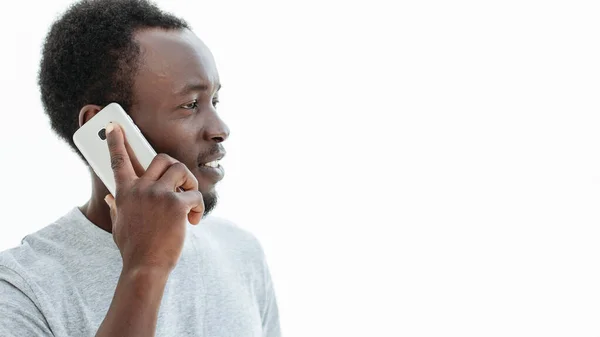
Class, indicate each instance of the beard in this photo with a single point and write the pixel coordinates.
(210, 201)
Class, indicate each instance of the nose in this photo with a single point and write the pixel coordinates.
(215, 129)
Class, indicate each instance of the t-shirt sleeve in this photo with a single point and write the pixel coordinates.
(270, 312)
(19, 316)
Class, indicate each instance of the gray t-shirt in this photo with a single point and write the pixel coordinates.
(60, 282)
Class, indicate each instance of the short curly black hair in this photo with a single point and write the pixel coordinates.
(90, 57)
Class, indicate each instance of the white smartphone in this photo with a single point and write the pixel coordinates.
(90, 139)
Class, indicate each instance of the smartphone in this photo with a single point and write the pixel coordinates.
(90, 139)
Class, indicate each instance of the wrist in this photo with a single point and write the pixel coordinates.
(146, 278)
(146, 264)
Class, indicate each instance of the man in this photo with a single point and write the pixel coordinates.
(130, 264)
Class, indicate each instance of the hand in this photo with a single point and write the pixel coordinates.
(151, 208)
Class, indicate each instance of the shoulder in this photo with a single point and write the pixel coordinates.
(17, 261)
(16, 268)
(33, 249)
(36, 259)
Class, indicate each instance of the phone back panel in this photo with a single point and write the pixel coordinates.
(95, 149)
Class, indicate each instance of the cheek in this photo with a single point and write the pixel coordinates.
(176, 141)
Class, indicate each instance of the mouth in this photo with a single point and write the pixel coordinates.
(213, 164)
(212, 170)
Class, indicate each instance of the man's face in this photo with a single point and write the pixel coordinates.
(175, 94)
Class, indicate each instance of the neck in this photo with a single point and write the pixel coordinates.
(96, 209)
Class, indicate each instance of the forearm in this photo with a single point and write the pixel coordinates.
(134, 308)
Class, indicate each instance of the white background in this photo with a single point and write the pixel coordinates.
(417, 168)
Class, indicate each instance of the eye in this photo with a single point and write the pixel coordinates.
(215, 102)
(193, 105)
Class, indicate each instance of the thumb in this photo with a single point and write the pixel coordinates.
(110, 201)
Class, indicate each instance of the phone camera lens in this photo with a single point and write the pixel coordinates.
(102, 134)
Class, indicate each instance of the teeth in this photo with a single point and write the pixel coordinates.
(214, 164)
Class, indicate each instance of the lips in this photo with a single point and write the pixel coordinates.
(213, 159)
(211, 169)
(213, 174)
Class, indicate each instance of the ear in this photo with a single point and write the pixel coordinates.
(87, 112)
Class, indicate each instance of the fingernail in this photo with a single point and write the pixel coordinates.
(106, 200)
(109, 127)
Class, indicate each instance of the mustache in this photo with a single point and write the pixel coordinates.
(217, 149)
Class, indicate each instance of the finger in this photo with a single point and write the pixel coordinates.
(159, 165)
(178, 175)
(195, 202)
(194, 217)
(135, 163)
(110, 201)
(119, 159)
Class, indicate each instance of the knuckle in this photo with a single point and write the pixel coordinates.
(179, 166)
(184, 170)
(116, 161)
(153, 193)
(163, 157)
(135, 191)
(192, 177)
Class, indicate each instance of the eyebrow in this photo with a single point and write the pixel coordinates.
(190, 87)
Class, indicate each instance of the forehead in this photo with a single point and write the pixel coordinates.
(171, 60)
